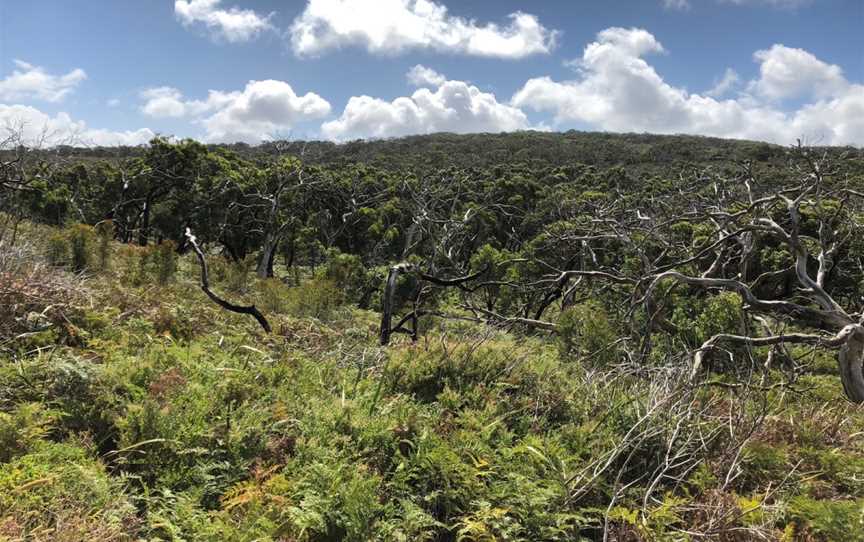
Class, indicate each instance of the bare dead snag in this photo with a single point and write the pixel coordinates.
(387, 329)
(387, 303)
(495, 318)
(836, 341)
(205, 285)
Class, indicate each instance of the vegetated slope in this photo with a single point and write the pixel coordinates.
(132, 407)
(485, 150)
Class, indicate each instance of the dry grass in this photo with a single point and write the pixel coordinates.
(35, 297)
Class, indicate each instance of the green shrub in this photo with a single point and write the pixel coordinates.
(22, 429)
(346, 271)
(272, 296)
(236, 274)
(177, 322)
(164, 257)
(105, 234)
(58, 493)
(721, 314)
(57, 250)
(81, 238)
(762, 464)
(585, 331)
(317, 298)
(826, 521)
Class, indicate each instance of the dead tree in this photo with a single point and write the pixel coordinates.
(387, 329)
(808, 219)
(205, 285)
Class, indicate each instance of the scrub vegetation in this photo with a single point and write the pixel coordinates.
(469, 338)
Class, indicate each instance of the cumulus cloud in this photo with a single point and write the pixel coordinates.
(41, 128)
(787, 73)
(233, 24)
(263, 108)
(394, 26)
(253, 114)
(32, 82)
(454, 106)
(163, 102)
(421, 76)
(729, 80)
(619, 91)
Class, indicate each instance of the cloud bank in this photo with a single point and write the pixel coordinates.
(618, 90)
(446, 106)
(259, 111)
(395, 26)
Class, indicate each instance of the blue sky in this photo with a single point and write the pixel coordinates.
(119, 71)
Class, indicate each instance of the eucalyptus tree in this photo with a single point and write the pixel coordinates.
(784, 245)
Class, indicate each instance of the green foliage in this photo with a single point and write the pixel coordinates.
(73, 247)
(81, 239)
(21, 430)
(720, 314)
(105, 234)
(827, 520)
(165, 261)
(146, 393)
(58, 493)
(585, 332)
(236, 275)
(318, 298)
(57, 249)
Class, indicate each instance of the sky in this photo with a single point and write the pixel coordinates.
(119, 72)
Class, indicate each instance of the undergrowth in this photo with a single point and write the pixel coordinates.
(132, 408)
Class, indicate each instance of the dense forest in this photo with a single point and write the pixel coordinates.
(525, 336)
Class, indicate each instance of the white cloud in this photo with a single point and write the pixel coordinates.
(680, 5)
(723, 86)
(233, 24)
(163, 102)
(455, 106)
(780, 4)
(32, 82)
(619, 91)
(787, 73)
(393, 26)
(113, 102)
(41, 128)
(421, 76)
(263, 108)
(838, 120)
(253, 114)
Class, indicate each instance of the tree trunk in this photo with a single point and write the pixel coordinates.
(144, 232)
(387, 302)
(387, 305)
(251, 310)
(268, 253)
(850, 361)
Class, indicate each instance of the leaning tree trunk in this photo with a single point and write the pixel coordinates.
(850, 361)
(387, 301)
(268, 254)
(205, 286)
(387, 327)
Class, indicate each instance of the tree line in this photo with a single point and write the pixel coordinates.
(629, 248)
